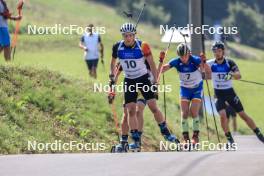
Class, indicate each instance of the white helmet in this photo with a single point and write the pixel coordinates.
(128, 28)
(183, 49)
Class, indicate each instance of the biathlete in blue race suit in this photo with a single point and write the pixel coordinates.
(189, 68)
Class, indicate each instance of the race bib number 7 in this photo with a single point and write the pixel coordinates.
(185, 77)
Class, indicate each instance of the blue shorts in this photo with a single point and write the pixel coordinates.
(4, 37)
(191, 93)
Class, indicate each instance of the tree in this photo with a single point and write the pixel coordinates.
(250, 23)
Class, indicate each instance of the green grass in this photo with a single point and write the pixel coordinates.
(45, 106)
(62, 55)
(249, 52)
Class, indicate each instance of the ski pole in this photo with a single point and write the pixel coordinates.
(129, 15)
(252, 82)
(15, 37)
(166, 52)
(163, 76)
(203, 59)
(212, 110)
(139, 16)
(111, 96)
(210, 99)
(206, 118)
(164, 98)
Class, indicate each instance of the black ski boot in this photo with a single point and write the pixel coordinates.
(259, 134)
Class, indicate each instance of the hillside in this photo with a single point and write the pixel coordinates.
(46, 96)
(45, 106)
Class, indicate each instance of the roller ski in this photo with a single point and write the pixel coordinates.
(122, 147)
(134, 147)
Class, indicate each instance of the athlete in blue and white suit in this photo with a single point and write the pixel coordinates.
(189, 68)
(224, 70)
(132, 54)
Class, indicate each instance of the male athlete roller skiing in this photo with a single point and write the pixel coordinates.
(224, 70)
(141, 104)
(132, 54)
(190, 70)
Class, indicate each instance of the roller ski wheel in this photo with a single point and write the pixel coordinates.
(134, 147)
(120, 148)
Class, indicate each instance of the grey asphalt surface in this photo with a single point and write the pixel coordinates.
(248, 160)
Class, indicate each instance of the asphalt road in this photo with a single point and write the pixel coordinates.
(248, 160)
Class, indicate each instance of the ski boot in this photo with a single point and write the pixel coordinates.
(168, 136)
(171, 138)
(166, 133)
(136, 145)
(186, 141)
(195, 140)
(259, 135)
(230, 141)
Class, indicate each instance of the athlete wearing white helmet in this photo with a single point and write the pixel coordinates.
(132, 54)
(189, 68)
(128, 28)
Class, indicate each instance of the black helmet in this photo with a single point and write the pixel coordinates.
(218, 45)
(128, 28)
(183, 49)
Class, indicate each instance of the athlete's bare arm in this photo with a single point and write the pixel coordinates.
(207, 70)
(152, 65)
(15, 18)
(101, 48)
(204, 67)
(149, 57)
(159, 67)
(165, 68)
(117, 75)
(118, 71)
(234, 70)
(82, 46)
(236, 75)
(112, 66)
